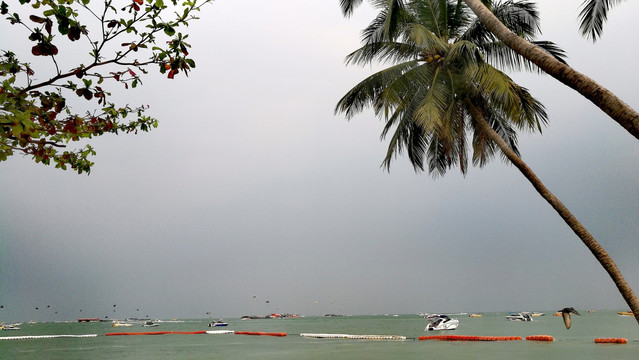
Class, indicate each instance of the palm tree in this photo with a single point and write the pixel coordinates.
(593, 15)
(617, 109)
(441, 91)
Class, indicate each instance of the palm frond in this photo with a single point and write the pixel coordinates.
(408, 137)
(433, 106)
(424, 38)
(382, 52)
(367, 92)
(521, 17)
(348, 6)
(593, 15)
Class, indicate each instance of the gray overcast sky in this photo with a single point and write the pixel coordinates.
(251, 186)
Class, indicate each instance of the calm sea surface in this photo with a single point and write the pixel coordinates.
(576, 343)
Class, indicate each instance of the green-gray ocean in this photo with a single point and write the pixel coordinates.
(576, 343)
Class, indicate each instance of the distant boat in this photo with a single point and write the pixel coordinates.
(150, 324)
(538, 314)
(88, 320)
(475, 315)
(522, 316)
(626, 313)
(117, 324)
(10, 326)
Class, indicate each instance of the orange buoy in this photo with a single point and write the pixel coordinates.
(540, 338)
(611, 341)
(469, 338)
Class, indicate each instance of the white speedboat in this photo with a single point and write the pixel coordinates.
(119, 324)
(150, 324)
(218, 323)
(441, 322)
(519, 317)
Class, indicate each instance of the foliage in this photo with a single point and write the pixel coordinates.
(36, 116)
(444, 65)
(593, 15)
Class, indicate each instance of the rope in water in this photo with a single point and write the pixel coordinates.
(45, 336)
(469, 338)
(357, 337)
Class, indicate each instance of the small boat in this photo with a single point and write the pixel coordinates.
(626, 313)
(538, 314)
(118, 324)
(441, 322)
(10, 327)
(218, 323)
(150, 324)
(475, 315)
(522, 316)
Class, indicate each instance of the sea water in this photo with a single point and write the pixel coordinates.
(576, 343)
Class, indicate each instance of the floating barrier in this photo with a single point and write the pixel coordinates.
(611, 341)
(357, 337)
(156, 333)
(219, 332)
(469, 338)
(259, 333)
(46, 336)
(540, 338)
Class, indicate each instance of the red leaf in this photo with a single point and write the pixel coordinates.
(37, 19)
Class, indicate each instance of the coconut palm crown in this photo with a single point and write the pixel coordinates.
(443, 72)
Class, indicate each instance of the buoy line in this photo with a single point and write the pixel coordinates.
(611, 341)
(540, 338)
(469, 338)
(259, 333)
(356, 337)
(46, 336)
(156, 333)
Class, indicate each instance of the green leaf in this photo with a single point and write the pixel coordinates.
(170, 31)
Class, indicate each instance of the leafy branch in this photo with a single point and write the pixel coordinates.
(36, 118)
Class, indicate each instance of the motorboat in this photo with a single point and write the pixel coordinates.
(538, 314)
(522, 316)
(10, 326)
(150, 324)
(441, 322)
(475, 315)
(118, 324)
(218, 323)
(625, 313)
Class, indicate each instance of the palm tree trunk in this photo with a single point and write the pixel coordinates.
(602, 256)
(621, 112)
